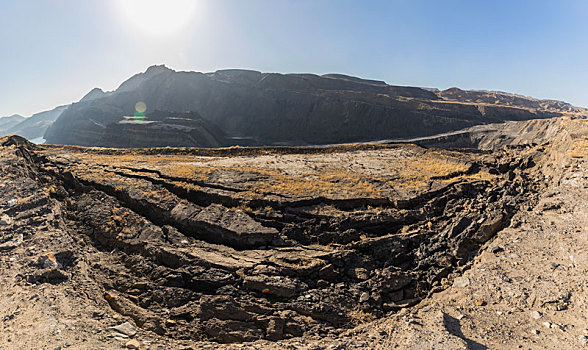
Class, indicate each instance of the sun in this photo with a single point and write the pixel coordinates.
(159, 17)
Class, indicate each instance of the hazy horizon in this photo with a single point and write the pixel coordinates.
(54, 52)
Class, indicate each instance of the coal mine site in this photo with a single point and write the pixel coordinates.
(293, 175)
(244, 244)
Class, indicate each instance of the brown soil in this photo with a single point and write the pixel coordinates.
(310, 247)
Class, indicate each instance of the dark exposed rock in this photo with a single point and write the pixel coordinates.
(163, 129)
(50, 275)
(189, 246)
(489, 227)
(273, 285)
(254, 108)
(507, 99)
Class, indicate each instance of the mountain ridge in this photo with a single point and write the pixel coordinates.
(10, 121)
(34, 126)
(294, 109)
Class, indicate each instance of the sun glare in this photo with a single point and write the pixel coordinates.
(159, 17)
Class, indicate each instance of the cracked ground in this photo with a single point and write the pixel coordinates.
(300, 247)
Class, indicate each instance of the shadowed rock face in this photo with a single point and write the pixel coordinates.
(292, 109)
(163, 129)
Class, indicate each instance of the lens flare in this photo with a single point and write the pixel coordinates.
(140, 108)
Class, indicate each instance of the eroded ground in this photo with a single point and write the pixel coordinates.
(199, 247)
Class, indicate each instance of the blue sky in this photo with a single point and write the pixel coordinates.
(54, 51)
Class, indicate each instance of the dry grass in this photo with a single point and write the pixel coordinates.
(418, 171)
(357, 317)
(233, 151)
(579, 148)
(331, 183)
(175, 166)
(400, 172)
(186, 171)
(481, 175)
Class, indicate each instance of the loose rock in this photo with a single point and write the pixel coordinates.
(133, 344)
(125, 328)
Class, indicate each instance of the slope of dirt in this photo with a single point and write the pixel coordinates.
(527, 287)
(303, 247)
(495, 136)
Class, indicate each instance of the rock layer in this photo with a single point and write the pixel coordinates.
(254, 108)
(245, 244)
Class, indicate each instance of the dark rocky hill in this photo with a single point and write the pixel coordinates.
(292, 109)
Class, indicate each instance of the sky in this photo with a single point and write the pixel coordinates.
(52, 52)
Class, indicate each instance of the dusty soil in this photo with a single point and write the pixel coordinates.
(372, 246)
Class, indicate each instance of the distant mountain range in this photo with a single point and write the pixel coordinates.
(8, 122)
(243, 107)
(33, 127)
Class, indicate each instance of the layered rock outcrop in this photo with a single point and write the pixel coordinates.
(256, 108)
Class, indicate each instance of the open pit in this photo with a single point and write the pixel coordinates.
(242, 244)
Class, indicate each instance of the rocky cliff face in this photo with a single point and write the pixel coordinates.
(172, 129)
(507, 99)
(291, 109)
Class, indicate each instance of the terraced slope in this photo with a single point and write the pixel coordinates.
(240, 244)
(261, 109)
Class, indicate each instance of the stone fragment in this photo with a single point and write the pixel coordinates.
(359, 273)
(536, 315)
(48, 261)
(365, 296)
(52, 275)
(389, 281)
(5, 220)
(393, 306)
(497, 249)
(461, 282)
(125, 328)
(489, 228)
(133, 344)
(12, 243)
(275, 328)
